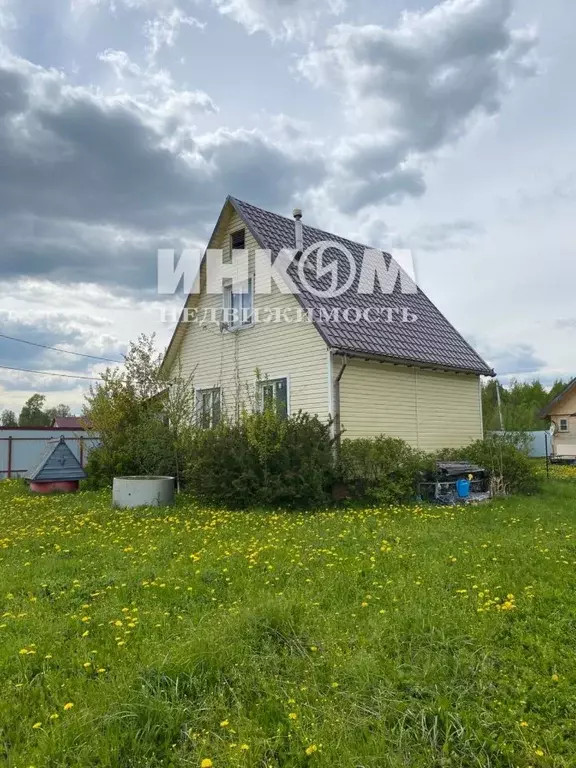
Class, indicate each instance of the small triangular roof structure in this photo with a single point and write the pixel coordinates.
(58, 463)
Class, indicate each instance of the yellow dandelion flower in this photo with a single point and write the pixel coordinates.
(555, 678)
(539, 752)
(293, 716)
(523, 724)
(311, 749)
(206, 763)
(244, 747)
(37, 725)
(55, 716)
(224, 724)
(68, 706)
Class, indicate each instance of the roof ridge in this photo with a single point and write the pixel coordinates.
(332, 235)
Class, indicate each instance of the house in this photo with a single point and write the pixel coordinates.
(562, 413)
(410, 375)
(69, 422)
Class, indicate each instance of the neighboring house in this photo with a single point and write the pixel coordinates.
(68, 422)
(562, 412)
(419, 381)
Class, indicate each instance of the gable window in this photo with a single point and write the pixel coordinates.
(563, 425)
(238, 304)
(237, 243)
(208, 407)
(274, 396)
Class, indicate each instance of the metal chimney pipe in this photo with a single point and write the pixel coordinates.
(298, 230)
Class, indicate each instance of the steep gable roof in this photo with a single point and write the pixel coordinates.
(431, 341)
(558, 399)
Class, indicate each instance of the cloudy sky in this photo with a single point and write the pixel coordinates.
(444, 127)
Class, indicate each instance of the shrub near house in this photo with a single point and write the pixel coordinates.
(262, 460)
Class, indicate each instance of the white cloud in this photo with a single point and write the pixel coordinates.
(7, 19)
(280, 18)
(151, 91)
(163, 30)
(416, 88)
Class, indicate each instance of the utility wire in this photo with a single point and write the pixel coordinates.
(50, 373)
(57, 349)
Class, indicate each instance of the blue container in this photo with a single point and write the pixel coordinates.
(463, 488)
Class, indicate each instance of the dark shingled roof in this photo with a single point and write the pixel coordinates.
(69, 422)
(431, 341)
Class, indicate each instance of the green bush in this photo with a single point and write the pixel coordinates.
(383, 469)
(143, 448)
(262, 460)
(510, 467)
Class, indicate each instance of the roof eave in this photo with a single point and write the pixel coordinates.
(545, 412)
(410, 362)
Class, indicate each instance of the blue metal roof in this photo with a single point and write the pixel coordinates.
(57, 463)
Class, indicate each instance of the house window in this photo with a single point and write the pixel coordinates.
(563, 425)
(238, 304)
(274, 396)
(237, 243)
(208, 401)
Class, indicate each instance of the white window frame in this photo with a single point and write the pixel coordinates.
(272, 380)
(564, 425)
(200, 406)
(228, 303)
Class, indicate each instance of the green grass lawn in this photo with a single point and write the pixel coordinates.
(382, 637)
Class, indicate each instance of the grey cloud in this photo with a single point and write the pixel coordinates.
(90, 335)
(444, 236)
(566, 323)
(515, 359)
(90, 186)
(27, 384)
(419, 86)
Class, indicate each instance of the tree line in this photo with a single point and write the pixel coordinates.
(521, 403)
(34, 413)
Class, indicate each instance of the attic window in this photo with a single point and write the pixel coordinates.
(237, 243)
(563, 425)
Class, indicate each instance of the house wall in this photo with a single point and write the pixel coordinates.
(428, 409)
(229, 360)
(564, 443)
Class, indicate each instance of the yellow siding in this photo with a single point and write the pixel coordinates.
(564, 443)
(429, 410)
(229, 359)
